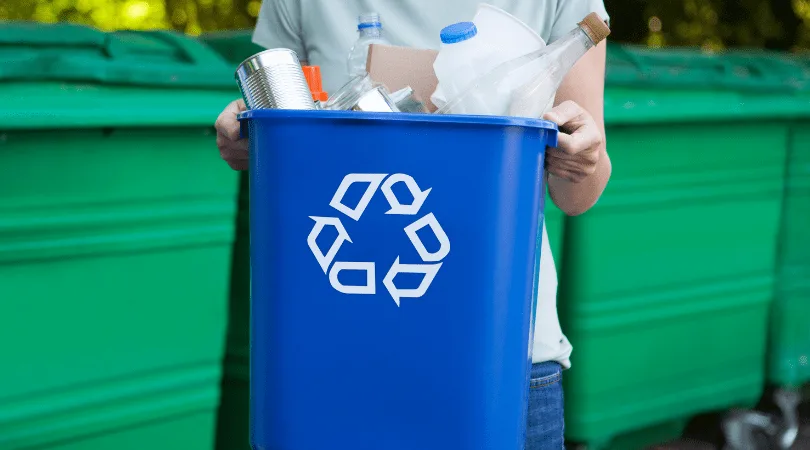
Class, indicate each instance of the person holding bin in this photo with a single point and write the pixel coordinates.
(577, 169)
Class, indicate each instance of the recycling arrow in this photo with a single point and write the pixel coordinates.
(368, 267)
(373, 180)
(320, 222)
(419, 196)
(429, 270)
(444, 242)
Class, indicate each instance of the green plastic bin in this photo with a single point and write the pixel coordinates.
(233, 45)
(234, 414)
(789, 358)
(667, 282)
(116, 228)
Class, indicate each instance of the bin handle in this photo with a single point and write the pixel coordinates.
(244, 131)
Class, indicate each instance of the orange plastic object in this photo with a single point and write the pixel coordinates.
(313, 76)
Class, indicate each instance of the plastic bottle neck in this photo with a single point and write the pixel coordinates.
(576, 38)
(570, 48)
(369, 30)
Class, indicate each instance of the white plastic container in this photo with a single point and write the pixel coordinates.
(461, 58)
(503, 35)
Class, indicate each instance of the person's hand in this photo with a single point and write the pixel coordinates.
(231, 148)
(579, 143)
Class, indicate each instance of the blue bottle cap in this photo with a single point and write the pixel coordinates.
(458, 32)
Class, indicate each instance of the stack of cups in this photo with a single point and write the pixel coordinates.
(273, 79)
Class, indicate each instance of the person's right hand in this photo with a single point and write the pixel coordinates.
(231, 148)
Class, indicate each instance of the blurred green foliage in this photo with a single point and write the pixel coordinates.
(189, 16)
(713, 24)
(709, 24)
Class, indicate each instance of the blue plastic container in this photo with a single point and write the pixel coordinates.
(449, 208)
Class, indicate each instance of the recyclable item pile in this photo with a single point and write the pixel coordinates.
(493, 65)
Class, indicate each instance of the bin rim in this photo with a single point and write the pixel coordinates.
(399, 117)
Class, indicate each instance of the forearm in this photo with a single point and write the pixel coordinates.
(584, 85)
(576, 198)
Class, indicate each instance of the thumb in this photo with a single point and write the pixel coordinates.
(563, 113)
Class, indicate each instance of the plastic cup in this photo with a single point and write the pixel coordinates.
(506, 32)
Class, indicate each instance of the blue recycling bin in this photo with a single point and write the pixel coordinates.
(393, 271)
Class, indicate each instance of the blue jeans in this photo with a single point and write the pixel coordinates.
(546, 425)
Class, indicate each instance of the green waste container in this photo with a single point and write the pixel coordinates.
(233, 45)
(667, 282)
(116, 227)
(233, 418)
(789, 356)
(234, 412)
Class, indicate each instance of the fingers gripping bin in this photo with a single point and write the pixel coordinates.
(393, 270)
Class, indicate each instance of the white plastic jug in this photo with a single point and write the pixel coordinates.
(461, 58)
(502, 36)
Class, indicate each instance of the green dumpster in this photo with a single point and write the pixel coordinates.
(234, 411)
(667, 282)
(789, 358)
(116, 228)
(233, 45)
(233, 419)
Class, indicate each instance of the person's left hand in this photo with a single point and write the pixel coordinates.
(579, 143)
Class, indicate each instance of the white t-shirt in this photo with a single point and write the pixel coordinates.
(323, 31)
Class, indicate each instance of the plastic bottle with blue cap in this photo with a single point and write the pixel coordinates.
(369, 29)
(461, 56)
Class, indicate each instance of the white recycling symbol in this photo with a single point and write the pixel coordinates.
(431, 261)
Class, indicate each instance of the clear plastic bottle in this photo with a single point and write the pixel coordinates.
(369, 30)
(526, 86)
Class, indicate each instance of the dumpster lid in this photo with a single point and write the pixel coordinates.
(60, 76)
(748, 70)
(662, 85)
(235, 45)
(66, 52)
(801, 60)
